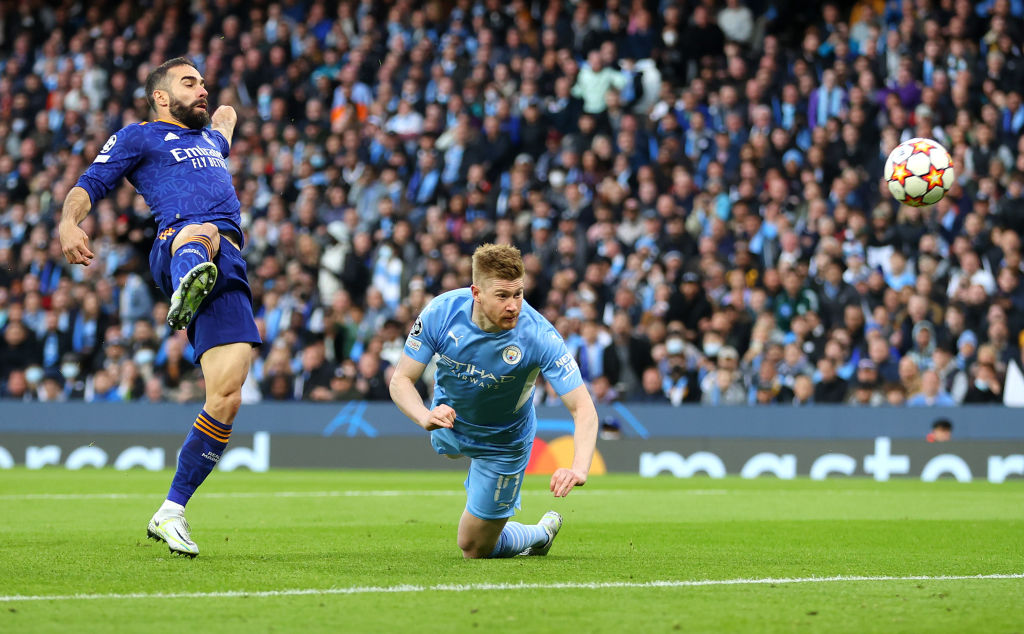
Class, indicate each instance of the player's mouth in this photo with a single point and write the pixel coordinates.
(201, 105)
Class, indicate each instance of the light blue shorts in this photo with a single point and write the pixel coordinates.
(495, 476)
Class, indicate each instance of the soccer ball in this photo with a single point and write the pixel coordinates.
(919, 172)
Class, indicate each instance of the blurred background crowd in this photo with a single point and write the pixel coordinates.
(695, 186)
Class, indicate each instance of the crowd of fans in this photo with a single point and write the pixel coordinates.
(695, 186)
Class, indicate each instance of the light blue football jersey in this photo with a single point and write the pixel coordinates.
(488, 378)
(182, 173)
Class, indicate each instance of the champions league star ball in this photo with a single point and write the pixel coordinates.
(919, 172)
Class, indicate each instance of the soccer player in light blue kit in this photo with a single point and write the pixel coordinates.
(179, 167)
(491, 347)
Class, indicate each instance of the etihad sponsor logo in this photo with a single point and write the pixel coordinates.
(469, 372)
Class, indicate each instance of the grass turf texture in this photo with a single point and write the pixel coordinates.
(292, 530)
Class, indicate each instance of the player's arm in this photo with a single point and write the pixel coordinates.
(223, 120)
(117, 158)
(584, 438)
(404, 394)
(73, 240)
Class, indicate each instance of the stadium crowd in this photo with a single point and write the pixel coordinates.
(695, 185)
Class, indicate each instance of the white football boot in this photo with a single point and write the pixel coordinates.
(174, 531)
(552, 523)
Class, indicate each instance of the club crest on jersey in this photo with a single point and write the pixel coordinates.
(109, 145)
(206, 136)
(512, 355)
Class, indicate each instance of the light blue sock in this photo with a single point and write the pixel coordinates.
(516, 537)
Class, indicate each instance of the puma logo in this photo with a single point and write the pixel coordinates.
(452, 335)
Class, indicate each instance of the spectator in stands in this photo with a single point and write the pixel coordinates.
(602, 392)
(986, 388)
(895, 395)
(829, 388)
(803, 391)
(369, 379)
(757, 163)
(931, 393)
(313, 380)
(625, 356)
(651, 391)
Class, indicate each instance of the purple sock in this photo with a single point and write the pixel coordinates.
(195, 251)
(200, 453)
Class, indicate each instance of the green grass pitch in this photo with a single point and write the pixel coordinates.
(311, 551)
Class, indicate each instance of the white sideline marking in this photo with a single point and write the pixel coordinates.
(475, 587)
(323, 494)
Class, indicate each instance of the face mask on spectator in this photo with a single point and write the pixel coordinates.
(144, 356)
(711, 348)
(34, 374)
(69, 371)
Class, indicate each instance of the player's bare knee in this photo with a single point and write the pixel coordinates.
(211, 231)
(475, 551)
(473, 548)
(473, 554)
(227, 400)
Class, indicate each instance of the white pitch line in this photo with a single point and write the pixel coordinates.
(323, 494)
(221, 495)
(476, 587)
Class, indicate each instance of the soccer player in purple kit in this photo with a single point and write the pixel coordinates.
(179, 167)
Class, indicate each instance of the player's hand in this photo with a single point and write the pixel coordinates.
(224, 117)
(440, 416)
(75, 244)
(563, 480)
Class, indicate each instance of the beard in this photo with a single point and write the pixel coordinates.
(501, 319)
(189, 115)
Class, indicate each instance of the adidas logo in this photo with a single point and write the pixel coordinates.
(171, 137)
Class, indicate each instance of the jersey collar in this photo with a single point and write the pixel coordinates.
(172, 123)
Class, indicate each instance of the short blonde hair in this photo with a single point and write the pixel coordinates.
(497, 261)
